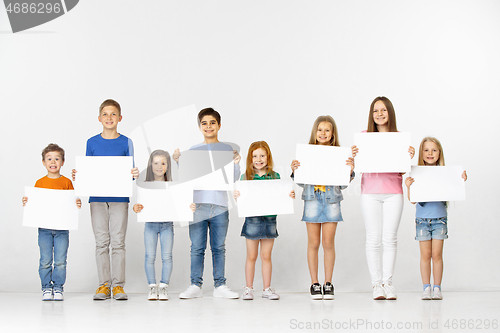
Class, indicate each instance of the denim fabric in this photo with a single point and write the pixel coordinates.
(320, 210)
(153, 231)
(53, 249)
(215, 219)
(428, 229)
(333, 194)
(259, 227)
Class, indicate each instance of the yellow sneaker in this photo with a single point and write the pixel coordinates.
(119, 294)
(102, 293)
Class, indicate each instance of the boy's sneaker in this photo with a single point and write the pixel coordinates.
(328, 291)
(47, 295)
(193, 291)
(437, 294)
(316, 291)
(247, 293)
(269, 293)
(426, 295)
(163, 292)
(378, 292)
(58, 295)
(390, 292)
(225, 292)
(153, 292)
(102, 293)
(119, 294)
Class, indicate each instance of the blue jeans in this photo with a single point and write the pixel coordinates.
(215, 218)
(165, 231)
(53, 249)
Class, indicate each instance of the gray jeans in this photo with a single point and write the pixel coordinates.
(109, 223)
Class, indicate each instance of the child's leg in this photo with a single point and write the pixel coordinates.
(150, 244)
(118, 219)
(313, 242)
(329, 230)
(61, 244)
(252, 254)
(99, 216)
(425, 261)
(46, 244)
(437, 260)
(167, 244)
(266, 248)
(371, 208)
(392, 209)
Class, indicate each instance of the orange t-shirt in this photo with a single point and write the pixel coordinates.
(61, 183)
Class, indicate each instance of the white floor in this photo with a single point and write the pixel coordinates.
(357, 312)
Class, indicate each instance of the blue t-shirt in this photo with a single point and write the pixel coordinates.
(98, 146)
(431, 210)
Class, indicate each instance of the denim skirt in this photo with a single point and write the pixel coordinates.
(319, 211)
(259, 227)
(428, 229)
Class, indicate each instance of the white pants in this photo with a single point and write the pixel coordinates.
(382, 213)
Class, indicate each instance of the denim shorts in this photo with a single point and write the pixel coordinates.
(428, 229)
(319, 211)
(259, 227)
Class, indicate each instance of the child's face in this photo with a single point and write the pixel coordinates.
(159, 166)
(430, 152)
(324, 133)
(110, 117)
(53, 162)
(380, 114)
(209, 127)
(259, 159)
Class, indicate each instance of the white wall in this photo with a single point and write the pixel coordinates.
(270, 68)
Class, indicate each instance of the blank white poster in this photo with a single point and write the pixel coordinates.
(437, 183)
(207, 170)
(264, 197)
(170, 203)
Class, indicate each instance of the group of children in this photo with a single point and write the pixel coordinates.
(381, 203)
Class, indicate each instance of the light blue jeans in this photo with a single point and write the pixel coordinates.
(213, 218)
(53, 249)
(153, 231)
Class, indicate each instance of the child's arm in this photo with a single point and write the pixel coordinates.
(78, 203)
(464, 176)
(176, 155)
(354, 150)
(135, 173)
(193, 207)
(411, 151)
(292, 194)
(73, 174)
(236, 194)
(295, 165)
(25, 200)
(408, 182)
(236, 157)
(137, 208)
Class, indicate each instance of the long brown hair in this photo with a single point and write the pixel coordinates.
(440, 160)
(334, 141)
(391, 122)
(250, 172)
(150, 175)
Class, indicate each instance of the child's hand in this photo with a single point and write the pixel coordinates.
(135, 172)
(176, 155)
(192, 207)
(78, 203)
(25, 200)
(236, 194)
(73, 174)
(137, 208)
(354, 150)
(464, 176)
(350, 161)
(292, 194)
(409, 181)
(411, 151)
(295, 164)
(236, 157)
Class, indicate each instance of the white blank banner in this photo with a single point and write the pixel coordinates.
(104, 176)
(207, 170)
(437, 183)
(170, 203)
(50, 209)
(322, 165)
(264, 197)
(382, 152)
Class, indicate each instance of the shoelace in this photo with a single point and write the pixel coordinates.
(328, 287)
(248, 290)
(162, 290)
(317, 288)
(152, 290)
(270, 290)
(118, 290)
(102, 289)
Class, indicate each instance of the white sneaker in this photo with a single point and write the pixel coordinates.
(47, 295)
(193, 291)
(269, 293)
(224, 292)
(247, 293)
(163, 292)
(378, 292)
(437, 294)
(153, 292)
(427, 293)
(58, 295)
(390, 292)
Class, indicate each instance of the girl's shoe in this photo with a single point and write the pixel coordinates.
(378, 292)
(269, 293)
(163, 292)
(390, 292)
(427, 294)
(153, 292)
(247, 293)
(328, 291)
(437, 294)
(316, 291)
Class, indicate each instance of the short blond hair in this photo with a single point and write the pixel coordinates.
(110, 102)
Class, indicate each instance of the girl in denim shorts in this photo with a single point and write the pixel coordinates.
(259, 229)
(431, 223)
(322, 212)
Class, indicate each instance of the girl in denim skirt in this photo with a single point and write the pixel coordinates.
(322, 212)
(431, 223)
(259, 229)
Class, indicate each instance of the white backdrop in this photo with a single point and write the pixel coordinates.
(270, 68)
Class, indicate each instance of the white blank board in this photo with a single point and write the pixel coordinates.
(437, 183)
(207, 170)
(170, 203)
(264, 197)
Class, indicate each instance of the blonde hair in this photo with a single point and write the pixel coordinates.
(250, 172)
(149, 174)
(391, 122)
(334, 141)
(440, 160)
